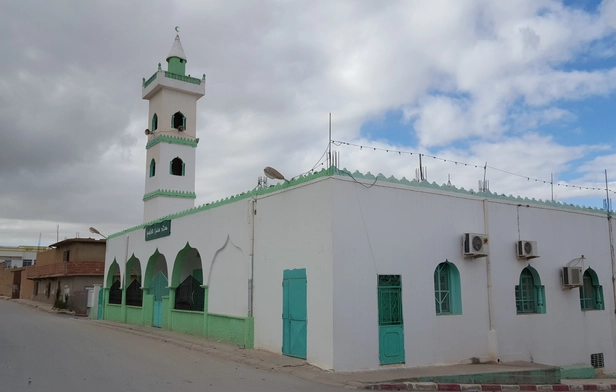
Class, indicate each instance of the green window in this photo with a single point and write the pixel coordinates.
(152, 168)
(591, 293)
(154, 122)
(530, 294)
(447, 296)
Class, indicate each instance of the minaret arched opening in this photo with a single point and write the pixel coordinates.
(177, 167)
(154, 122)
(177, 120)
(152, 168)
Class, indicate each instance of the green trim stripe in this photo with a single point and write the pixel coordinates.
(171, 140)
(169, 193)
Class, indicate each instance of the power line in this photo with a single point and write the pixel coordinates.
(529, 178)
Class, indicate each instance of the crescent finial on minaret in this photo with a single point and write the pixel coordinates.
(177, 29)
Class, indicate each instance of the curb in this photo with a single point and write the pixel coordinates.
(430, 386)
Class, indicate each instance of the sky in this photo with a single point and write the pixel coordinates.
(524, 88)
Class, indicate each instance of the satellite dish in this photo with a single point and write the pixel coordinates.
(147, 131)
(180, 128)
(272, 173)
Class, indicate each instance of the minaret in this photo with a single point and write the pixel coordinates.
(172, 137)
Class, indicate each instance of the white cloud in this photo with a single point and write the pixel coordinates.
(71, 117)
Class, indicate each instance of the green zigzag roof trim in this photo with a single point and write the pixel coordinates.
(242, 196)
(425, 184)
(169, 193)
(171, 140)
(332, 171)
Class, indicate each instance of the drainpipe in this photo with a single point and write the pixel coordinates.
(492, 340)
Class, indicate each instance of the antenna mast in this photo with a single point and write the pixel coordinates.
(329, 144)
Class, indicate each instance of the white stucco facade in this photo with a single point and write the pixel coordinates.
(344, 235)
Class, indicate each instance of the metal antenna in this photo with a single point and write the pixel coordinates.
(329, 144)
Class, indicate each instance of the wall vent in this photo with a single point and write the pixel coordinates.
(596, 360)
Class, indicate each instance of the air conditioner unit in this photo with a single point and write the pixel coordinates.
(475, 245)
(527, 249)
(572, 277)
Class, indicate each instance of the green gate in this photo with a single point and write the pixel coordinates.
(294, 313)
(391, 326)
(158, 288)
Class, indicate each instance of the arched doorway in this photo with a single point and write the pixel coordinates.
(187, 278)
(156, 279)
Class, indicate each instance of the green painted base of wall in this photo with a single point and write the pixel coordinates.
(165, 322)
(224, 328)
(577, 371)
(134, 315)
(187, 322)
(538, 376)
(113, 312)
(148, 309)
(238, 330)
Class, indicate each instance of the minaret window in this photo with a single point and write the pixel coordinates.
(177, 120)
(176, 167)
(152, 168)
(154, 122)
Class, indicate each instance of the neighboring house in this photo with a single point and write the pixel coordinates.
(12, 257)
(67, 271)
(353, 271)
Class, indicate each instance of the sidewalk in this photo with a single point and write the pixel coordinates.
(387, 378)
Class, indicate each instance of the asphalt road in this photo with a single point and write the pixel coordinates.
(47, 352)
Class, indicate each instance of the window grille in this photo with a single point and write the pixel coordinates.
(442, 289)
(530, 294)
(596, 360)
(525, 293)
(390, 300)
(134, 294)
(591, 293)
(115, 293)
(190, 295)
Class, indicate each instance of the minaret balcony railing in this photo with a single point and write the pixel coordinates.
(150, 80)
(188, 79)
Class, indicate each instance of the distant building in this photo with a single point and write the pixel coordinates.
(12, 257)
(68, 272)
(352, 271)
(19, 256)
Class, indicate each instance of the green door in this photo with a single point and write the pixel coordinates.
(294, 313)
(391, 326)
(158, 288)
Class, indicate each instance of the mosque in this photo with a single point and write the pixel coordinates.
(353, 271)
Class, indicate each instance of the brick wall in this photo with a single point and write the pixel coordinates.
(67, 268)
(83, 268)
